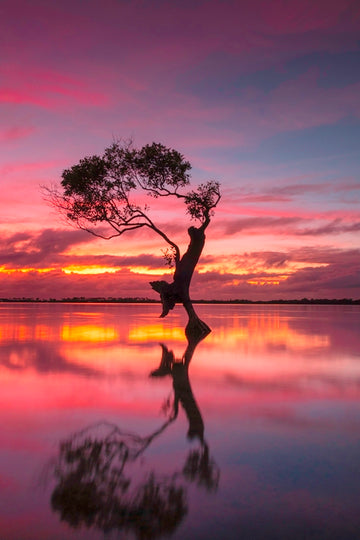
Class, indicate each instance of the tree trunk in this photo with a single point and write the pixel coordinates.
(179, 290)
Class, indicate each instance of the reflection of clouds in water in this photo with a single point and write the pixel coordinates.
(301, 383)
(314, 417)
(41, 357)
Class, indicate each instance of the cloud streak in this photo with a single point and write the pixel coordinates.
(288, 226)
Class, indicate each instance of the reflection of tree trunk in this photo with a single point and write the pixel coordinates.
(179, 371)
(179, 289)
(199, 467)
(183, 394)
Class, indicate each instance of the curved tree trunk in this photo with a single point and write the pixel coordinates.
(179, 290)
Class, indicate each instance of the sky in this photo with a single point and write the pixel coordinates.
(262, 96)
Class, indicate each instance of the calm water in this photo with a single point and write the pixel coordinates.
(107, 432)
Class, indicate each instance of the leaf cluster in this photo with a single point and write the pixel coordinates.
(99, 179)
(201, 202)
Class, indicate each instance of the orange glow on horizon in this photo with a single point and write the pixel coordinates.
(264, 280)
(150, 271)
(78, 269)
(4, 270)
(227, 266)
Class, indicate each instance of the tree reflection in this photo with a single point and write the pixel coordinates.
(94, 483)
(199, 467)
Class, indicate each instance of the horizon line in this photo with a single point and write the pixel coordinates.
(145, 300)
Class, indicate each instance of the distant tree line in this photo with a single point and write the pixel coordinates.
(141, 300)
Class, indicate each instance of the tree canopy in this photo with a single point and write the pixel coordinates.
(101, 189)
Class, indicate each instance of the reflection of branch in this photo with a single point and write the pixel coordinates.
(92, 488)
(202, 469)
(155, 509)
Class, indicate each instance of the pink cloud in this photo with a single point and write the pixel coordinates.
(338, 277)
(300, 103)
(306, 16)
(14, 133)
(49, 248)
(57, 284)
(115, 56)
(45, 88)
(289, 226)
(296, 104)
(24, 168)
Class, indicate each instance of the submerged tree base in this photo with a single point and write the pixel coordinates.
(196, 329)
(169, 295)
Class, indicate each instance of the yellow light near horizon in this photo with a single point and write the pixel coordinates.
(150, 271)
(264, 280)
(4, 270)
(252, 266)
(73, 269)
(93, 270)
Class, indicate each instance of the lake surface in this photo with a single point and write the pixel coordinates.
(113, 425)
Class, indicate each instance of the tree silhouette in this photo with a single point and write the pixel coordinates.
(97, 195)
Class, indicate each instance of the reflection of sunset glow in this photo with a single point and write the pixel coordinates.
(254, 351)
(22, 332)
(256, 331)
(88, 332)
(113, 359)
(271, 329)
(158, 332)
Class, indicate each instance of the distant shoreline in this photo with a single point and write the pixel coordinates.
(137, 300)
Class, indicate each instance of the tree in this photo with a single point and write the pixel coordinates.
(99, 192)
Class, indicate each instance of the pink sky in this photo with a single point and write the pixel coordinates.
(263, 97)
